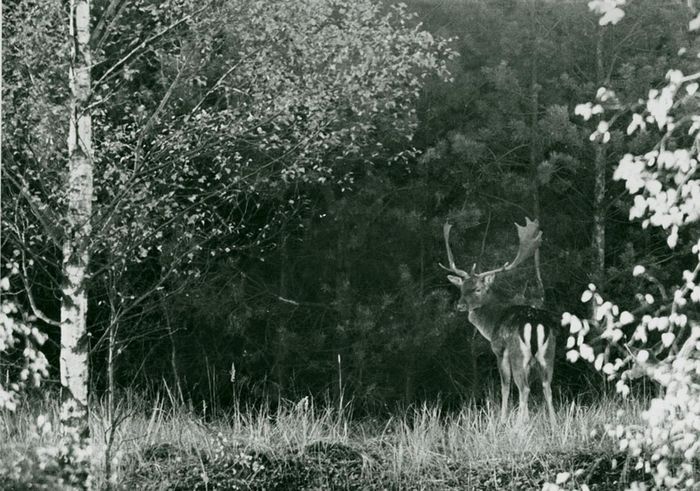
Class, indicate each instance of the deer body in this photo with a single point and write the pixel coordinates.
(523, 338)
(523, 341)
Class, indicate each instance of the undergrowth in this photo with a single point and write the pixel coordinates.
(160, 445)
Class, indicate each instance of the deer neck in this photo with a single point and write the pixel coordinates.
(485, 319)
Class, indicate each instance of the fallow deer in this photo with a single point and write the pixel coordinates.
(521, 337)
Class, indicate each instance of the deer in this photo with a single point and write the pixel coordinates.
(522, 337)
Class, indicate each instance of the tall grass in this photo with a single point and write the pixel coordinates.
(419, 443)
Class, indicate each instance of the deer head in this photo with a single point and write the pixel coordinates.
(475, 287)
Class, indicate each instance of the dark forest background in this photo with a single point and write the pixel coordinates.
(343, 293)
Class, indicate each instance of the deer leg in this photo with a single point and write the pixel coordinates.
(545, 360)
(504, 370)
(520, 377)
(546, 372)
(547, 390)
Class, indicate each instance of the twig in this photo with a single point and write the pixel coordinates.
(146, 42)
(37, 312)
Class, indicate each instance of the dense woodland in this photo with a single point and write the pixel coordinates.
(224, 225)
(268, 223)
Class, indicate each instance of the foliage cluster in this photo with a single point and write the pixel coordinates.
(660, 338)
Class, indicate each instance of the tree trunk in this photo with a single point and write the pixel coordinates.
(281, 338)
(76, 255)
(599, 216)
(599, 190)
(409, 382)
(111, 362)
(173, 351)
(474, 375)
(342, 287)
(111, 389)
(535, 153)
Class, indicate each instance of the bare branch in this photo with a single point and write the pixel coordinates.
(35, 310)
(224, 76)
(146, 42)
(49, 221)
(111, 14)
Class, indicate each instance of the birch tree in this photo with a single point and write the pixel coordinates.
(205, 117)
(76, 245)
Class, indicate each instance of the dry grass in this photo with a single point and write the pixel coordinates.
(422, 447)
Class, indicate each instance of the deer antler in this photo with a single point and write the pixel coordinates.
(530, 237)
(450, 258)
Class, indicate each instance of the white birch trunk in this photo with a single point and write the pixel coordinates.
(74, 349)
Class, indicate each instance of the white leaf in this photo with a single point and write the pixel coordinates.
(562, 477)
(667, 338)
(599, 361)
(584, 110)
(586, 352)
(575, 325)
(695, 23)
(626, 318)
(622, 388)
(672, 239)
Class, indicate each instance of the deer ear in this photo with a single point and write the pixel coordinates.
(455, 280)
(488, 280)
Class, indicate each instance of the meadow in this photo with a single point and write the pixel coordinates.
(303, 445)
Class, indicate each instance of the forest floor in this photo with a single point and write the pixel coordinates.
(300, 446)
